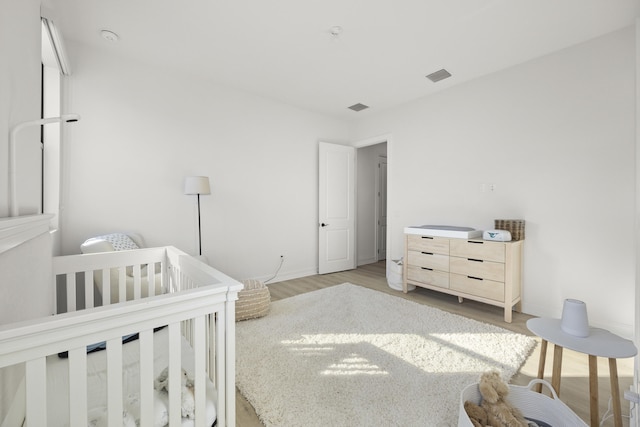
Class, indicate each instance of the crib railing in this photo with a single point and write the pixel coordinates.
(79, 276)
(199, 304)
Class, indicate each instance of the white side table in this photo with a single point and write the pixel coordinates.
(599, 343)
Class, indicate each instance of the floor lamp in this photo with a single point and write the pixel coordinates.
(13, 164)
(197, 185)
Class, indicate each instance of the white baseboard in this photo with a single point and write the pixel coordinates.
(288, 275)
(367, 261)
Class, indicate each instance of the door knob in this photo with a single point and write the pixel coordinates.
(323, 224)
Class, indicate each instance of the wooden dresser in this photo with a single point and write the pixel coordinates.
(477, 269)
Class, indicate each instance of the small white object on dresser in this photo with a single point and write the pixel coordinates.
(477, 269)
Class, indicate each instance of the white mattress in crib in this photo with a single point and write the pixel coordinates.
(58, 379)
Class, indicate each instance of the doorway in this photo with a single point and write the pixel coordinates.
(381, 208)
(371, 224)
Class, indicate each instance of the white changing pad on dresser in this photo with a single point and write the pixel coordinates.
(58, 379)
(444, 231)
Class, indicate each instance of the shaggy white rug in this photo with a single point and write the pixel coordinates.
(351, 356)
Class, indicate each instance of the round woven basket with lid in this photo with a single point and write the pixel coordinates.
(253, 301)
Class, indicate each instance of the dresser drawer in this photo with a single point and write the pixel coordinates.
(478, 249)
(436, 245)
(478, 287)
(429, 277)
(477, 268)
(429, 260)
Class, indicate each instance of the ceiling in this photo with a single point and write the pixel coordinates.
(283, 49)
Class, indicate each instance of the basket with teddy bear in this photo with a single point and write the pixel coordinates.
(491, 402)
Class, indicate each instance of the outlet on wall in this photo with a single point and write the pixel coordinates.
(484, 188)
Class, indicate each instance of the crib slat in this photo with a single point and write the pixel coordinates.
(211, 343)
(151, 279)
(146, 379)
(36, 385)
(106, 287)
(71, 292)
(114, 382)
(220, 368)
(229, 361)
(78, 387)
(122, 284)
(175, 370)
(137, 283)
(55, 308)
(88, 289)
(200, 372)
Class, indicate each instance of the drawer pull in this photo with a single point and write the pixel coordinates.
(427, 237)
(475, 241)
(427, 268)
(475, 278)
(474, 260)
(427, 253)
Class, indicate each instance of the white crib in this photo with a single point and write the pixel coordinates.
(196, 308)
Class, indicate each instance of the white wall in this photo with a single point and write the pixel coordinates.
(144, 129)
(20, 99)
(556, 136)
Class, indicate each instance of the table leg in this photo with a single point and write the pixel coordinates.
(615, 392)
(541, 363)
(508, 314)
(557, 368)
(593, 390)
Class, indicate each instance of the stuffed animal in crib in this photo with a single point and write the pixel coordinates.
(494, 410)
(188, 400)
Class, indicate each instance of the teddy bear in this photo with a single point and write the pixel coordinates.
(188, 406)
(476, 414)
(494, 410)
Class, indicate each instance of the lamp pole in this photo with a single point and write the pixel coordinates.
(197, 185)
(199, 228)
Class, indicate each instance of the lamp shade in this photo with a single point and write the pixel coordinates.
(197, 185)
(574, 318)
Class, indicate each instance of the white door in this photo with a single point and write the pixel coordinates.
(381, 208)
(336, 208)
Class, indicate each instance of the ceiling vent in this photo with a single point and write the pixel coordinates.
(358, 107)
(439, 75)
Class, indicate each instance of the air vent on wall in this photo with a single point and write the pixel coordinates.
(358, 107)
(439, 75)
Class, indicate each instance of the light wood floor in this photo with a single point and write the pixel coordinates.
(574, 389)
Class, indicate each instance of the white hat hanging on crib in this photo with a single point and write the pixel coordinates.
(574, 318)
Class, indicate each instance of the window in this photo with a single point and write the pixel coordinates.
(50, 134)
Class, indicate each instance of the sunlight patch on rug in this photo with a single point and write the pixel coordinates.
(351, 356)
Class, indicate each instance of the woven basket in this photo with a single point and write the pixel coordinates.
(513, 226)
(533, 405)
(253, 301)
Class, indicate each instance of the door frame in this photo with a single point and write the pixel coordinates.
(377, 216)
